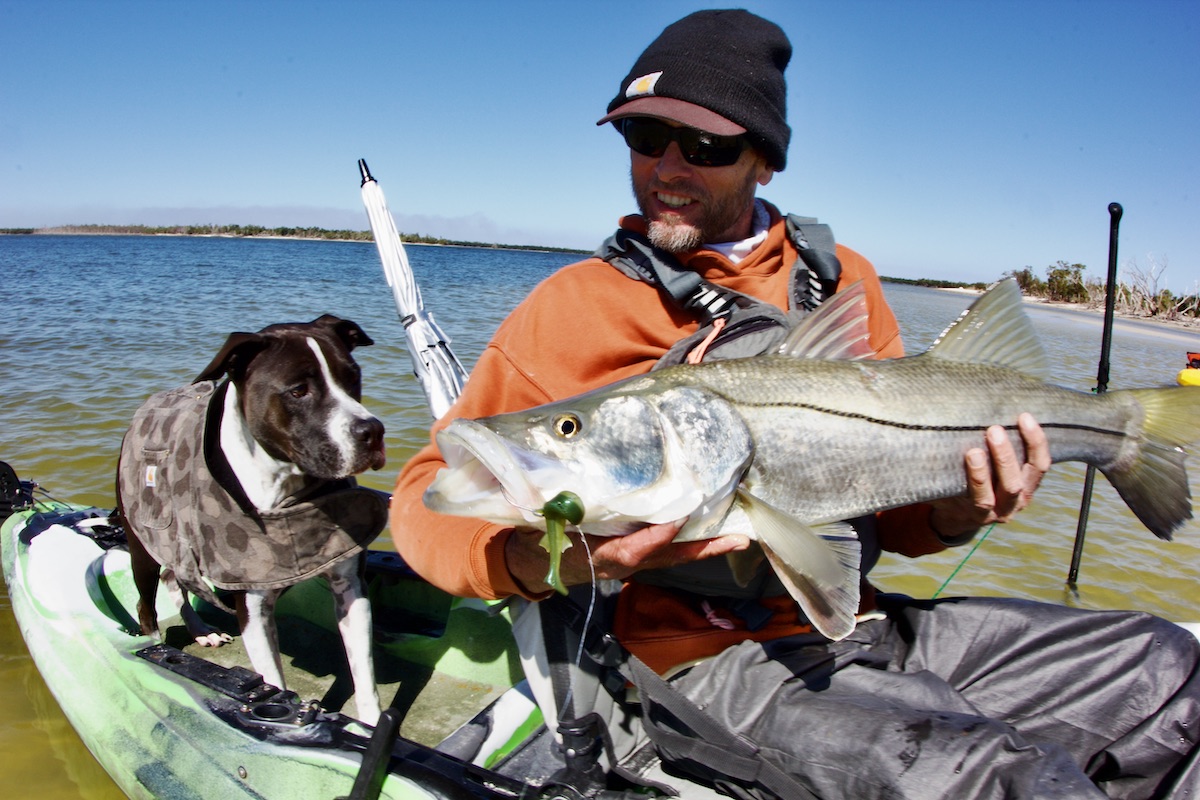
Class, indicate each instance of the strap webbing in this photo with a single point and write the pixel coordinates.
(710, 742)
(659, 268)
(814, 242)
(681, 731)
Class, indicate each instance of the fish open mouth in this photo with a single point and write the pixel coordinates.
(488, 477)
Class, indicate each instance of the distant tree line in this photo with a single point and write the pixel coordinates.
(194, 230)
(930, 283)
(1137, 292)
(259, 230)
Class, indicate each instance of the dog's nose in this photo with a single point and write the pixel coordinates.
(367, 432)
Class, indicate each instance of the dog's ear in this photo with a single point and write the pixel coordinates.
(239, 349)
(349, 332)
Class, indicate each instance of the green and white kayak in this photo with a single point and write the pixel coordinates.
(169, 721)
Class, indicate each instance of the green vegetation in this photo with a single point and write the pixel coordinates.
(1137, 292)
(1064, 283)
(930, 283)
(260, 231)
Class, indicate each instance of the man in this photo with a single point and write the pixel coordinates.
(970, 698)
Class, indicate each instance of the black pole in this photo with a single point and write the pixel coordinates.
(369, 782)
(1110, 298)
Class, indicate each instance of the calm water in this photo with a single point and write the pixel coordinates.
(95, 324)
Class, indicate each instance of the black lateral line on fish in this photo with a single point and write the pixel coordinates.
(911, 427)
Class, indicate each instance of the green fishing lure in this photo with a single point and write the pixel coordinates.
(564, 507)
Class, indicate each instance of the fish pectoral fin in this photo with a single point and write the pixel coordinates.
(825, 557)
(819, 570)
(831, 613)
(744, 564)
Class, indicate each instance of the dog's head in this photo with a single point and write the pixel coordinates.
(300, 392)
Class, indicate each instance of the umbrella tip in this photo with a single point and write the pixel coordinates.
(364, 171)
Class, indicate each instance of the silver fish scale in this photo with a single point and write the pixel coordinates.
(836, 439)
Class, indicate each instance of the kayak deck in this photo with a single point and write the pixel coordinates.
(437, 659)
(162, 731)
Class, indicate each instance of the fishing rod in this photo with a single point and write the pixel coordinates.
(1110, 296)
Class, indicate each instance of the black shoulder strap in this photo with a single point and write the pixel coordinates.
(634, 255)
(816, 246)
(806, 232)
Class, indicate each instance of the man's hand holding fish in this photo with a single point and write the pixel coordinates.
(611, 557)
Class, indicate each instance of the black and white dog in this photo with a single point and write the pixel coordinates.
(246, 484)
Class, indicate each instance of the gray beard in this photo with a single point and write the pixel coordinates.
(676, 238)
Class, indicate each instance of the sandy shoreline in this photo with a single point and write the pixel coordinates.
(1182, 325)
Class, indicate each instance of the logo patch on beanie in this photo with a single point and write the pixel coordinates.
(643, 86)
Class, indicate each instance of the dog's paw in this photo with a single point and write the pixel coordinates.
(368, 713)
(213, 639)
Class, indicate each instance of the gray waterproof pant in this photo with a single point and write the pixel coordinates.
(971, 698)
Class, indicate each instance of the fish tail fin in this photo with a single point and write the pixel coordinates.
(820, 570)
(1154, 482)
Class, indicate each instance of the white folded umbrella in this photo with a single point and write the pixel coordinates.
(438, 370)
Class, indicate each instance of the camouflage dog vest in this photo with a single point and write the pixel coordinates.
(191, 514)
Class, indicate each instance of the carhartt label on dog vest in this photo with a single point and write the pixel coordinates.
(152, 476)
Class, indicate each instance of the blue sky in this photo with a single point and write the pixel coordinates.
(953, 140)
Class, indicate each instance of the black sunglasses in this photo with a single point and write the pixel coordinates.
(651, 137)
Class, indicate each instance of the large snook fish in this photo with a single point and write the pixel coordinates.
(776, 445)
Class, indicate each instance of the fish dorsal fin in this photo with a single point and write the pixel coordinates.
(994, 330)
(835, 330)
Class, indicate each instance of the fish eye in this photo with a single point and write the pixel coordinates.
(567, 425)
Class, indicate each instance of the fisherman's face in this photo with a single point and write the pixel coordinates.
(687, 206)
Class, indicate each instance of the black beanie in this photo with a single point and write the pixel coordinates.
(727, 63)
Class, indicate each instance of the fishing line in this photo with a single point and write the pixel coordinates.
(962, 563)
(587, 621)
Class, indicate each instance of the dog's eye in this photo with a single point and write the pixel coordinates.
(299, 390)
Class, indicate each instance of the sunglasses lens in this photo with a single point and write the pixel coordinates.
(703, 149)
(650, 138)
(646, 137)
